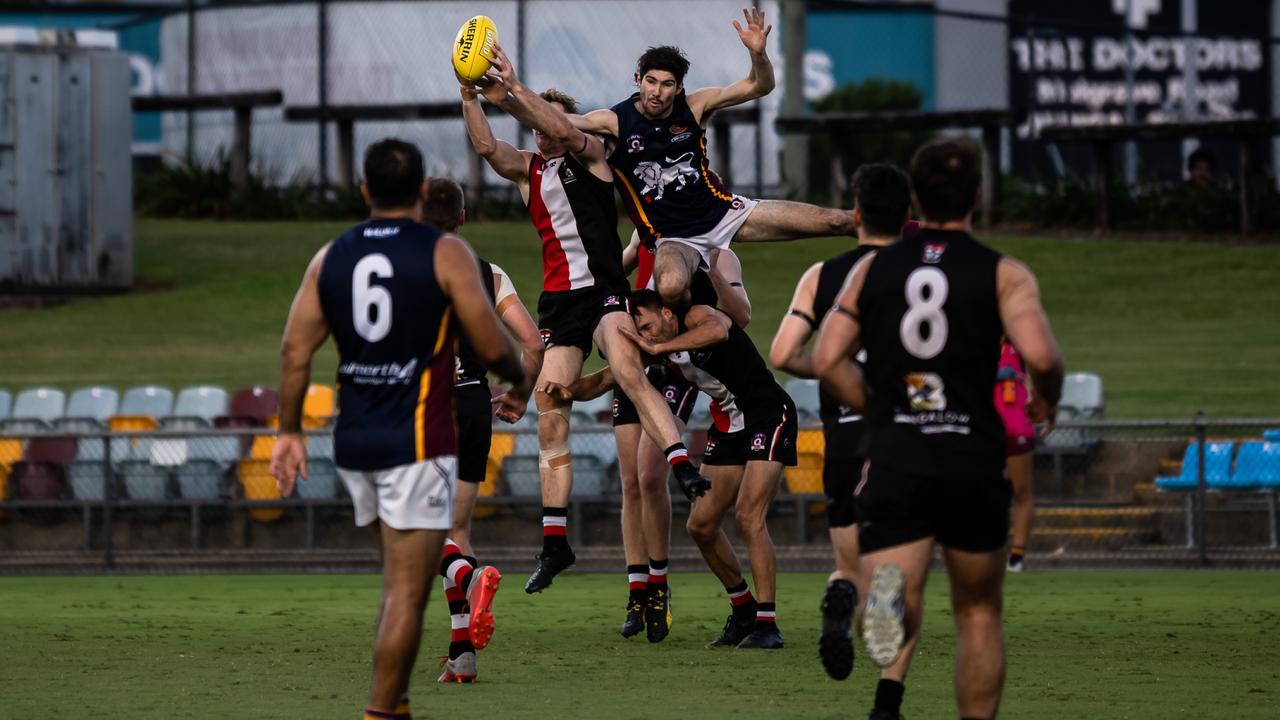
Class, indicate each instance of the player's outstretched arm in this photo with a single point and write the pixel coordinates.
(705, 326)
(503, 157)
(516, 318)
(1027, 327)
(840, 339)
(788, 352)
(726, 278)
(758, 82)
(532, 111)
(304, 332)
(597, 122)
(587, 387)
(458, 274)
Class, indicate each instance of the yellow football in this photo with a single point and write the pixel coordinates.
(473, 48)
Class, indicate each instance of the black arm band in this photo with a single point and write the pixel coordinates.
(735, 284)
(851, 314)
(586, 140)
(805, 317)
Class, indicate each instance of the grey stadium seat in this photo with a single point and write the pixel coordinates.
(205, 402)
(93, 403)
(6, 404)
(804, 393)
(151, 400)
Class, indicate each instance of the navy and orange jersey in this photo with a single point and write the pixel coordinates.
(661, 170)
(392, 325)
(577, 221)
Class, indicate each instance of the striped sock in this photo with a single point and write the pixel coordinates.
(403, 712)
(459, 620)
(555, 529)
(637, 581)
(657, 574)
(676, 454)
(456, 567)
(766, 612)
(740, 596)
(371, 714)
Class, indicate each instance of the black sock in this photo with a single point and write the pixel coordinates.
(889, 696)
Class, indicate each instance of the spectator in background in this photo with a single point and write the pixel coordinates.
(1201, 167)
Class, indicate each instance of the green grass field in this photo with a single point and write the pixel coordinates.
(1170, 326)
(1103, 644)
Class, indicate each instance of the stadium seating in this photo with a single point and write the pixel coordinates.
(10, 453)
(1216, 468)
(147, 400)
(590, 475)
(6, 404)
(35, 409)
(196, 407)
(1082, 399)
(259, 484)
(200, 479)
(319, 406)
(701, 415)
(256, 403)
(89, 408)
(262, 447)
(804, 393)
(600, 409)
(143, 480)
(321, 482)
(1257, 467)
(37, 481)
(320, 446)
(88, 479)
(1272, 435)
(520, 474)
(600, 446)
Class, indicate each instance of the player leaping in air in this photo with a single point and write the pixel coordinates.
(566, 185)
(658, 152)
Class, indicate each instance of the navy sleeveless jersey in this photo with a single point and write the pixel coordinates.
(392, 324)
(831, 279)
(660, 168)
(931, 324)
(469, 371)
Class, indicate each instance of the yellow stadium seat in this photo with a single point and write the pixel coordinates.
(811, 441)
(319, 406)
(806, 478)
(259, 484)
(262, 447)
(125, 423)
(10, 453)
(502, 445)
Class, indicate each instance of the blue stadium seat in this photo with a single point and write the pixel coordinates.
(590, 476)
(599, 410)
(92, 403)
(321, 482)
(6, 404)
(1257, 467)
(1216, 470)
(600, 446)
(201, 479)
(201, 403)
(804, 393)
(144, 481)
(222, 449)
(1272, 435)
(320, 446)
(87, 480)
(520, 474)
(40, 406)
(527, 443)
(150, 400)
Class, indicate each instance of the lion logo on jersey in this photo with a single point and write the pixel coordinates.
(656, 177)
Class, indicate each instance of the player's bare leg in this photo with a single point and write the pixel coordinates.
(760, 484)
(627, 438)
(673, 266)
(655, 416)
(464, 505)
(1024, 511)
(892, 653)
(977, 602)
(409, 560)
(844, 545)
(774, 220)
(656, 503)
(560, 365)
(706, 523)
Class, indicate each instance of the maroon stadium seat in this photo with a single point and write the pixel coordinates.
(257, 403)
(55, 450)
(38, 480)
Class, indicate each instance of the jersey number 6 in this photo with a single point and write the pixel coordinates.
(371, 300)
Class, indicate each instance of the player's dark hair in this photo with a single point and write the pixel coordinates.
(444, 203)
(553, 95)
(645, 298)
(882, 193)
(393, 172)
(664, 57)
(1201, 155)
(946, 175)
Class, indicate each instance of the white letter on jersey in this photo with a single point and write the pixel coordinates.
(921, 310)
(366, 297)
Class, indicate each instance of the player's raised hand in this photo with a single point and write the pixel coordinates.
(556, 391)
(756, 32)
(288, 461)
(501, 69)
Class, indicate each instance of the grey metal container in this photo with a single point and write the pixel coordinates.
(66, 182)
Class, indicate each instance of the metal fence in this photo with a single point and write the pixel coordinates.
(1195, 491)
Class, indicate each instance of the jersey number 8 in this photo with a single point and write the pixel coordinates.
(368, 299)
(923, 310)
